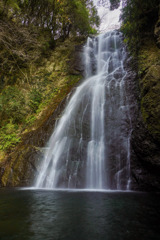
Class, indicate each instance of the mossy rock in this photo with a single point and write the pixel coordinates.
(150, 104)
(149, 82)
(21, 167)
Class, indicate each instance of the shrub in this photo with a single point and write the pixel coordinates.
(12, 105)
(8, 136)
(139, 18)
(35, 98)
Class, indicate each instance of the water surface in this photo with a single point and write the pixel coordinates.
(67, 215)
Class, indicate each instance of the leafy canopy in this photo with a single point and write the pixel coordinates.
(139, 18)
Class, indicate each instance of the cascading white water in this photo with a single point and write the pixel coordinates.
(90, 145)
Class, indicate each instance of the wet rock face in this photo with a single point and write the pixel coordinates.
(145, 140)
(145, 146)
(114, 4)
(145, 163)
(23, 169)
(76, 65)
(150, 103)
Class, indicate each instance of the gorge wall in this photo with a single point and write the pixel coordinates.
(20, 166)
(146, 135)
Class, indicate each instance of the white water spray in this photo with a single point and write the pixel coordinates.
(90, 145)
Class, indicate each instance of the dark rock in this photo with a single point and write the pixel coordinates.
(76, 65)
(157, 31)
(114, 4)
(145, 162)
(145, 144)
(145, 149)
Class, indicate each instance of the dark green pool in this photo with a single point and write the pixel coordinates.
(57, 215)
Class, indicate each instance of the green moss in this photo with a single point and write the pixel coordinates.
(9, 175)
(12, 104)
(4, 179)
(9, 136)
(149, 79)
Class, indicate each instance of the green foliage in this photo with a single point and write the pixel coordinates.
(8, 136)
(57, 16)
(139, 18)
(82, 18)
(12, 104)
(35, 98)
(9, 7)
(19, 47)
(30, 28)
(60, 17)
(30, 120)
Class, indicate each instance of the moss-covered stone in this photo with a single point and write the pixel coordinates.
(145, 139)
(149, 80)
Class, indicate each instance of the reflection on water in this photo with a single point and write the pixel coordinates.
(50, 215)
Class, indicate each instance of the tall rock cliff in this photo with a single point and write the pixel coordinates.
(146, 134)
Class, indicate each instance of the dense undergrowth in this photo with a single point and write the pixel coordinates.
(139, 18)
(37, 40)
(22, 103)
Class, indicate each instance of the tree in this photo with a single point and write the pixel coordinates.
(139, 18)
(60, 17)
(29, 27)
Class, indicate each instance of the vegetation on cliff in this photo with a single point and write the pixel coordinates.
(29, 29)
(141, 30)
(36, 59)
(139, 18)
(139, 21)
(149, 83)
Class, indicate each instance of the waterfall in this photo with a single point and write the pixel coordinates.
(90, 145)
